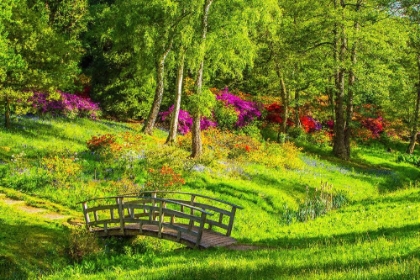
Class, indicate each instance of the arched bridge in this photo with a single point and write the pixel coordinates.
(194, 220)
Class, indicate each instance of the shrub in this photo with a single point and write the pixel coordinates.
(226, 116)
(374, 125)
(104, 145)
(251, 130)
(316, 203)
(185, 120)
(277, 155)
(61, 170)
(321, 138)
(67, 104)
(82, 244)
(411, 159)
(309, 124)
(297, 133)
(247, 110)
(163, 179)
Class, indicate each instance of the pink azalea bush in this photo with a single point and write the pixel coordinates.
(185, 120)
(247, 112)
(68, 105)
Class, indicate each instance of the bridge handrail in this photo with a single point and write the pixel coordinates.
(151, 192)
(194, 194)
(172, 201)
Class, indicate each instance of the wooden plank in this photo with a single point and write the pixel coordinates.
(103, 207)
(179, 214)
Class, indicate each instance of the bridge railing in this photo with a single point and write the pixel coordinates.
(121, 211)
(223, 211)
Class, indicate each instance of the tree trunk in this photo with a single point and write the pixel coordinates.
(173, 130)
(414, 131)
(197, 149)
(7, 113)
(285, 101)
(297, 108)
(160, 77)
(197, 145)
(339, 147)
(352, 81)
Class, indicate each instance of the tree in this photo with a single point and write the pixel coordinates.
(227, 49)
(42, 48)
(410, 11)
(197, 148)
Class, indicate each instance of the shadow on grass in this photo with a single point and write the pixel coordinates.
(286, 269)
(395, 176)
(268, 264)
(266, 202)
(30, 249)
(45, 131)
(390, 233)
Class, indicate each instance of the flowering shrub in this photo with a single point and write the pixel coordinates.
(68, 104)
(185, 120)
(275, 110)
(98, 143)
(61, 170)
(375, 125)
(309, 124)
(247, 110)
(165, 179)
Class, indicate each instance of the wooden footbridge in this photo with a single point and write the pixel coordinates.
(194, 220)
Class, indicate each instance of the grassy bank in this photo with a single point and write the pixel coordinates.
(371, 229)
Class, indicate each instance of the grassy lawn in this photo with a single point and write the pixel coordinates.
(373, 233)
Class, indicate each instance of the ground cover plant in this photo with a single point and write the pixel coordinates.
(305, 215)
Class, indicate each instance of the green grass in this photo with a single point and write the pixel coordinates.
(376, 235)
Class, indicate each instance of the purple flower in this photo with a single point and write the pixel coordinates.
(185, 121)
(66, 105)
(247, 110)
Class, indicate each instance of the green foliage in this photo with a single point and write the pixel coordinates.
(82, 244)
(412, 159)
(201, 103)
(251, 130)
(226, 116)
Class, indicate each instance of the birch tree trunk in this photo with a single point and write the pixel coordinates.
(160, 77)
(414, 130)
(173, 130)
(197, 147)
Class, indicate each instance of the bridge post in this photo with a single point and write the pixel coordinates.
(232, 217)
(85, 213)
(119, 201)
(154, 205)
(200, 230)
(161, 217)
(192, 211)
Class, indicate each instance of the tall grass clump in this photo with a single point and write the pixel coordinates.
(317, 203)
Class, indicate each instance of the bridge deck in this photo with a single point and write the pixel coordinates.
(209, 238)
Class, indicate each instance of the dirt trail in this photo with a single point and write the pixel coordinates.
(21, 205)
